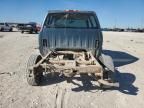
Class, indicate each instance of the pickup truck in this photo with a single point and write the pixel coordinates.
(70, 43)
(30, 28)
(5, 27)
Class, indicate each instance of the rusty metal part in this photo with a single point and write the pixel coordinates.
(107, 83)
(82, 62)
(63, 62)
(77, 69)
(43, 58)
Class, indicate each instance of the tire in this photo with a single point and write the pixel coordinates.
(109, 70)
(36, 31)
(2, 29)
(34, 76)
(30, 32)
(11, 30)
(22, 32)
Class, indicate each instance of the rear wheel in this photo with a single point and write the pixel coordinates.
(36, 31)
(31, 31)
(11, 30)
(35, 75)
(109, 70)
(22, 32)
(2, 29)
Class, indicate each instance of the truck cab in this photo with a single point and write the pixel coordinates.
(71, 30)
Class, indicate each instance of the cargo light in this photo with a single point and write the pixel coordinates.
(71, 10)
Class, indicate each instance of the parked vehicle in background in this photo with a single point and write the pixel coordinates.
(5, 27)
(118, 29)
(19, 26)
(30, 28)
(38, 27)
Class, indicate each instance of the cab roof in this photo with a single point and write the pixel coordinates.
(70, 11)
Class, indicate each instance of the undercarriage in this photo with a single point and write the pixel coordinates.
(68, 63)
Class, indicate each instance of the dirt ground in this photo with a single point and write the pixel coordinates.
(127, 50)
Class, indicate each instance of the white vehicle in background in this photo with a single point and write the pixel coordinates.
(5, 27)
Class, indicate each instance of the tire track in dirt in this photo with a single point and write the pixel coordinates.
(16, 93)
(60, 98)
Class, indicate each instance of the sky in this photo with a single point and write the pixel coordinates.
(111, 13)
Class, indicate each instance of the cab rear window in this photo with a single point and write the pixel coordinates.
(70, 20)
